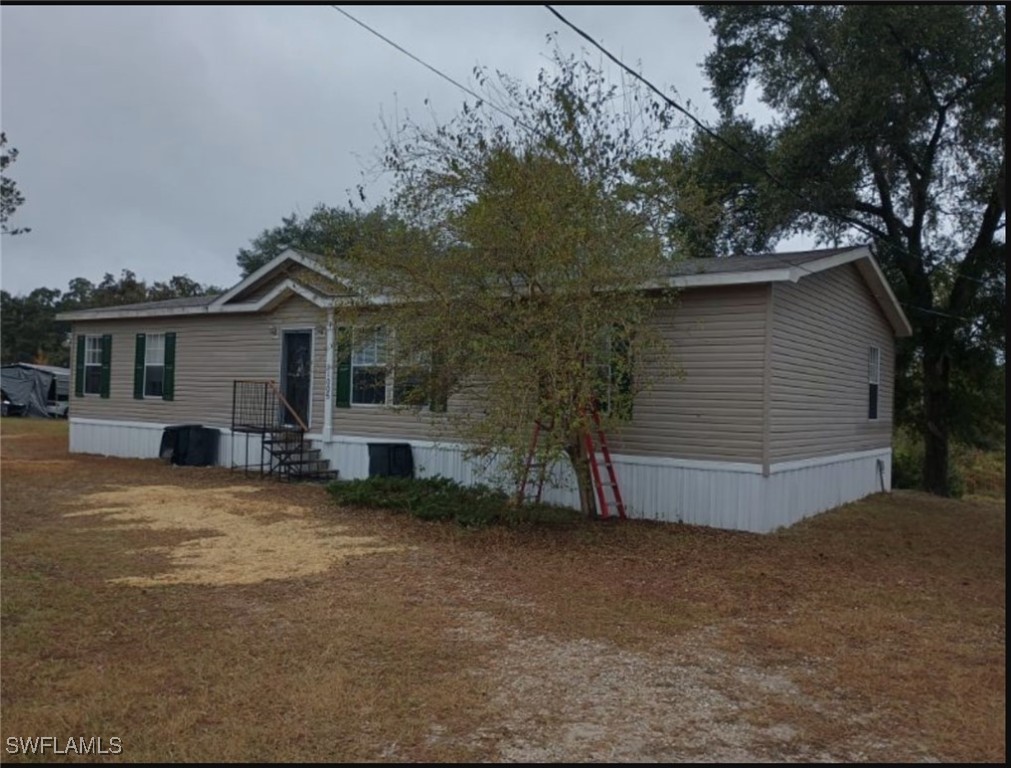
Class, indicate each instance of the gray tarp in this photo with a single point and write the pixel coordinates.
(28, 387)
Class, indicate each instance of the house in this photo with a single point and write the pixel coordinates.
(784, 408)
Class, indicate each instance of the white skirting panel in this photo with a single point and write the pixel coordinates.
(126, 439)
(719, 494)
(141, 440)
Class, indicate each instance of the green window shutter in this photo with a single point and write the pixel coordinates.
(343, 388)
(106, 364)
(438, 396)
(169, 387)
(138, 367)
(79, 368)
(622, 367)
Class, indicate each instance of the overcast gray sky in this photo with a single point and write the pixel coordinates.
(161, 139)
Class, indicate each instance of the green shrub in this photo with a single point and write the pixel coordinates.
(438, 498)
(907, 460)
(968, 469)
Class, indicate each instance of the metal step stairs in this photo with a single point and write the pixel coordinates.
(292, 459)
(270, 435)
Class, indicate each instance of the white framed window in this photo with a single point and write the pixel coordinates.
(92, 365)
(369, 367)
(154, 365)
(377, 374)
(873, 382)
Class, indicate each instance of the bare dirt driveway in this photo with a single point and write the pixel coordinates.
(198, 615)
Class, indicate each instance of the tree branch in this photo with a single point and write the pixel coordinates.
(917, 65)
(970, 271)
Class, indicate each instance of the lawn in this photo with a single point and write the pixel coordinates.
(196, 614)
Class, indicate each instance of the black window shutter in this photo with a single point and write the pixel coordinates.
(79, 368)
(438, 395)
(138, 367)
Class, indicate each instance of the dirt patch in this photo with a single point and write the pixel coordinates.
(238, 538)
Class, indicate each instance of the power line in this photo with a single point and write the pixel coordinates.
(862, 226)
(671, 102)
(431, 68)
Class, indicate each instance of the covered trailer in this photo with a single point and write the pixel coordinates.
(35, 390)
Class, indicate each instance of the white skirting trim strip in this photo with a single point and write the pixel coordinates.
(718, 494)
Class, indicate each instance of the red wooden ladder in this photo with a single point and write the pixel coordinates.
(541, 467)
(598, 484)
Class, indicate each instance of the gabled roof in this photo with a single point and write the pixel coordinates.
(686, 273)
(792, 267)
(225, 302)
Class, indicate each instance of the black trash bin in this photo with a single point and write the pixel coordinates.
(189, 445)
(202, 449)
(391, 460)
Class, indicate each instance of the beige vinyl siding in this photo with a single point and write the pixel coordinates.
(714, 411)
(394, 422)
(214, 350)
(211, 352)
(823, 328)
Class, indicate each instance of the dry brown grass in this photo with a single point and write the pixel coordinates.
(875, 632)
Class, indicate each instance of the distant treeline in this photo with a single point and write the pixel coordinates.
(30, 333)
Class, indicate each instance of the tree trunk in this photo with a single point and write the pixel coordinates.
(576, 451)
(937, 422)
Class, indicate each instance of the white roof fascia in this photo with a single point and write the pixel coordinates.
(289, 254)
(882, 291)
(830, 262)
(123, 314)
(729, 278)
(268, 300)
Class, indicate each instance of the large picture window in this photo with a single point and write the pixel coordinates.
(374, 372)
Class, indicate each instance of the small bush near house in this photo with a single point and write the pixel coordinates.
(439, 498)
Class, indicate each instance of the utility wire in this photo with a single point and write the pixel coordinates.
(863, 227)
(669, 101)
(706, 129)
(431, 68)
